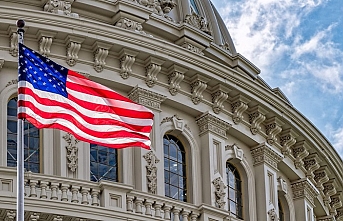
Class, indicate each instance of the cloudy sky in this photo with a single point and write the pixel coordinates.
(298, 45)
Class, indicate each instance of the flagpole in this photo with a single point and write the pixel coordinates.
(20, 144)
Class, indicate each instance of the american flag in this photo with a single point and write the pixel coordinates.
(51, 96)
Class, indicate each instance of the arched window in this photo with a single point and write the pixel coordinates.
(194, 7)
(174, 168)
(281, 213)
(31, 140)
(103, 163)
(234, 184)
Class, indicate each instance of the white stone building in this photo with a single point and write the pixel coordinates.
(225, 146)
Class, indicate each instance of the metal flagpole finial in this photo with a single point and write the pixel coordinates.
(20, 23)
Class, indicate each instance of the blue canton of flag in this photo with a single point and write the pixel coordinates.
(41, 72)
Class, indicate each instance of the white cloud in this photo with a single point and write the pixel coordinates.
(267, 32)
(337, 138)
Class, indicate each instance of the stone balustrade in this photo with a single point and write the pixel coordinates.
(111, 197)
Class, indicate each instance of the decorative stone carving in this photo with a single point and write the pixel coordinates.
(71, 151)
(338, 216)
(61, 7)
(198, 22)
(10, 215)
(14, 44)
(192, 48)
(34, 216)
(335, 203)
(131, 25)
(147, 98)
(44, 45)
(151, 168)
(100, 54)
(127, 58)
(58, 218)
(219, 192)
(210, 123)
(257, 115)
(326, 218)
(73, 48)
(239, 104)
(264, 154)
(153, 67)
(272, 215)
(225, 46)
(299, 152)
(198, 85)
(2, 62)
(175, 76)
(273, 128)
(287, 139)
(328, 191)
(237, 152)
(282, 185)
(178, 123)
(303, 188)
(311, 163)
(321, 177)
(15, 81)
(219, 94)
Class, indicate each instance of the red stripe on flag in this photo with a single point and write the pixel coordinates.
(61, 127)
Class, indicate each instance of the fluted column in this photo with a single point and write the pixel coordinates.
(265, 163)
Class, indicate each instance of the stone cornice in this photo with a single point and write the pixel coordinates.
(210, 123)
(263, 154)
(304, 189)
(147, 98)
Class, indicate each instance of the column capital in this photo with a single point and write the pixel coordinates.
(304, 189)
(147, 98)
(210, 123)
(262, 153)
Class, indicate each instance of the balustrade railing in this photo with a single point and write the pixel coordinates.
(113, 196)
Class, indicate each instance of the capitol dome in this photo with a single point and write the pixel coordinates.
(225, 145)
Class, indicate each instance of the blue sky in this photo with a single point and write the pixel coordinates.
(298, 45)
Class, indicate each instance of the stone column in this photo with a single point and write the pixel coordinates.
(212, 139)
(304, 193)
(265, 163)
(138, 172)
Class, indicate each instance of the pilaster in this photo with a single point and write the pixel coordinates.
(265, 161)
(304, 194)
(212, 132)
(145, 177)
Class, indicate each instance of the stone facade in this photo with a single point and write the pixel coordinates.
(165, 56)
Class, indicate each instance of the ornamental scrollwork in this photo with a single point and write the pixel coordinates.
(44, 45)
(73, 49)
(174, 80)
(100, 55)
(159, 7)
(71, 151)
(198, 85)
(219, 192)
(10, 215)
(152, 160)
(239, 105)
